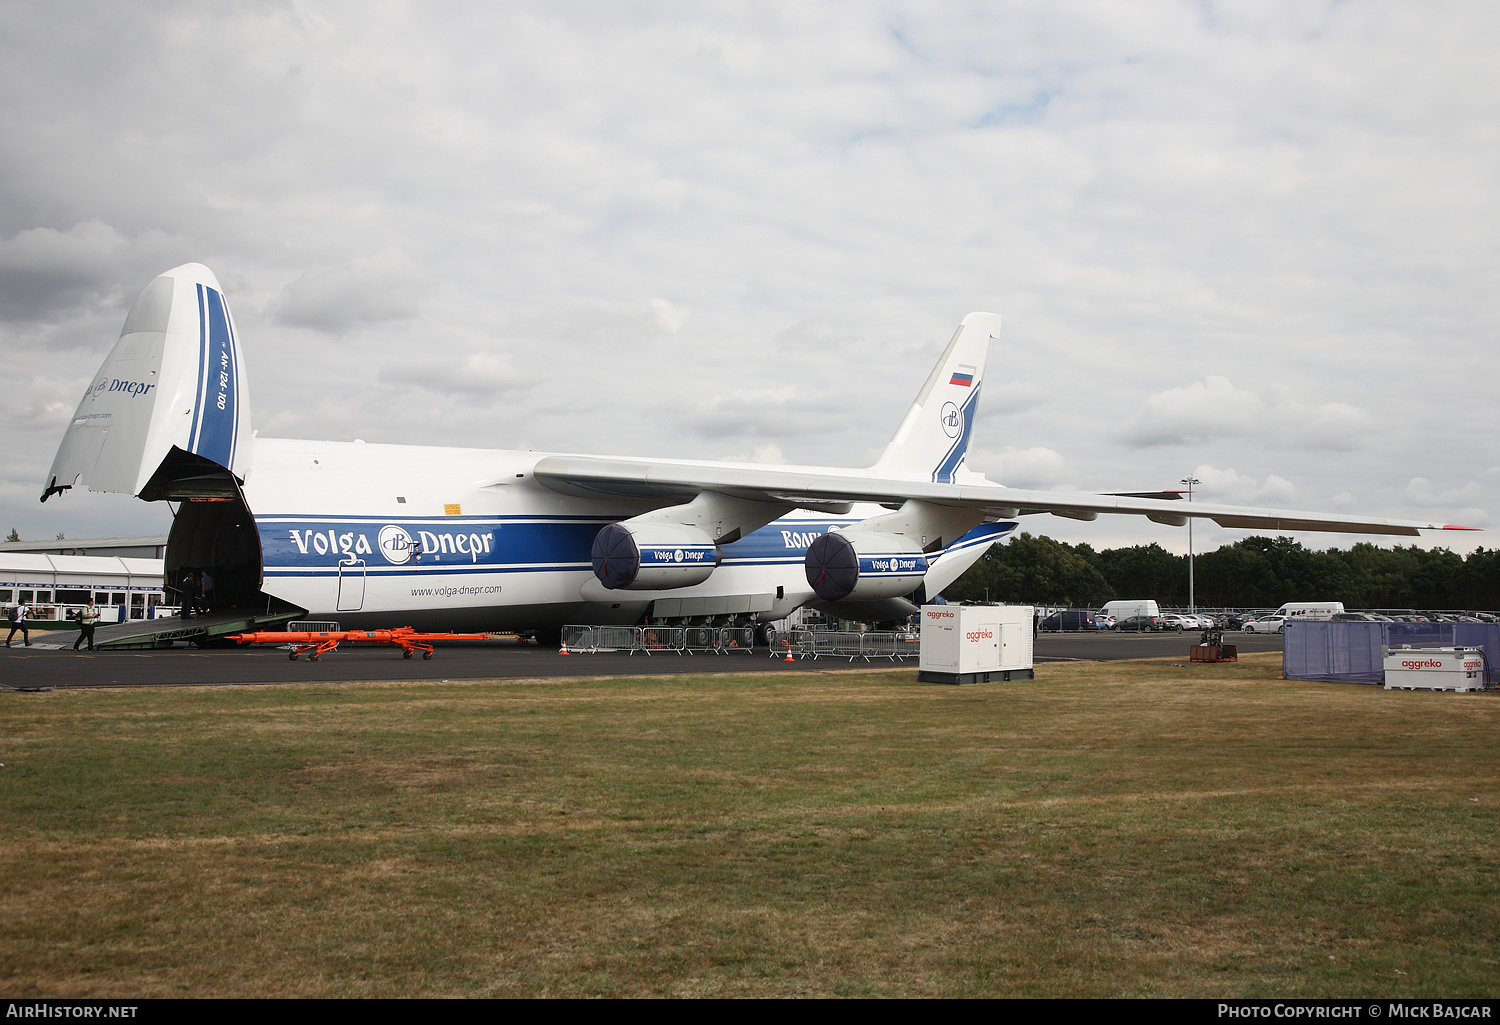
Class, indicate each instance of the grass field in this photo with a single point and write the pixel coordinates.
(1120, 829)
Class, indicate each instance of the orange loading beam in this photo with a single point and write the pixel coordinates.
(321, 642)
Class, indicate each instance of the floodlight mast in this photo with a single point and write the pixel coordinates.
(1190, 480)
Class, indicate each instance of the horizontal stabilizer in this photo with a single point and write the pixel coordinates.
(1165, 496)
(959, 556)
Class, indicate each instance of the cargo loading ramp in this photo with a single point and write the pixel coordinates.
(162, 633)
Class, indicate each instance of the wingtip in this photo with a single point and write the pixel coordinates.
(1450, 526)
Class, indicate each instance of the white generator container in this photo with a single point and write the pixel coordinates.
(1434, 669)
(976, 643)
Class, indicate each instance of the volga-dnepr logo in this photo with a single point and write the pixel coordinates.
(953, 421)
(395, 544)
(113, 384)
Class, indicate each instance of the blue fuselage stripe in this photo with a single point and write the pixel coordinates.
(294, 546)
(946, 469)
(202, 361)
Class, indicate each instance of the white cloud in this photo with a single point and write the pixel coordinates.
(1420, 491)
(671, 318)
(366, 290)
(1230, 487)
(768, 454)
(1214, 410)
(1206, 409)
(1037, 467)
(52, 275)
(476, 375)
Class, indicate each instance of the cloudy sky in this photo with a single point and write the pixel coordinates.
(1255, 242)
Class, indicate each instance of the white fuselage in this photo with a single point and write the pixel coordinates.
(452, 538)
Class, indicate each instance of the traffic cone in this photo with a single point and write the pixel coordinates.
(564, 649)
(789, 653)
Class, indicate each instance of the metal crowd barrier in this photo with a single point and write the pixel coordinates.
(663, 638)
(722, 640)
(837, 643)
(797, 643)
(850, 644)
(579, 638)
(878, 644)
(699, 638)
(736, 638)
(719, 640)
(312, 626)
(616, 638)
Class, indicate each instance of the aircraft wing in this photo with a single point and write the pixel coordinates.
(672, 481)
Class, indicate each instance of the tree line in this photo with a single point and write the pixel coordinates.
(1257, 572)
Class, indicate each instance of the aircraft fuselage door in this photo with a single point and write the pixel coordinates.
(351, 585)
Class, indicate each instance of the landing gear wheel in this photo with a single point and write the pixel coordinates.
(313, 658)
(426, 655)
(292, 655)
(406, 654)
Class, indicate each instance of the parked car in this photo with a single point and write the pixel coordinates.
(1139, 624)
(1068, 619)
(1272, 624)
(1177, 621)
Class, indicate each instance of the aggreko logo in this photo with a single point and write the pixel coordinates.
(934, 614)
(979, 635)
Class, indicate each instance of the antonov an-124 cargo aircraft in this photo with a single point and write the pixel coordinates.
(481, 539)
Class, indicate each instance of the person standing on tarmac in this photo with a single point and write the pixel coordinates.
(18, 622)
(87, 620)
(206, 588)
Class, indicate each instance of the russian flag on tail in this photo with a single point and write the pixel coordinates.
(963, 376)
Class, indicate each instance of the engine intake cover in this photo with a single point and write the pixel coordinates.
(652, 556)
(864, 566)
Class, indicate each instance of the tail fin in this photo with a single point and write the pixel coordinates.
(932, 441)
(174, 380)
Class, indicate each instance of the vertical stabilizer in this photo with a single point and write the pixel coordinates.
(174, 379)
(933, 440)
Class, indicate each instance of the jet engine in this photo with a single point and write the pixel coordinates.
(653, 556)
(864, 566)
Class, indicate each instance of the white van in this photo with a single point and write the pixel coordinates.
(1136, 607)
(1310, 610)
